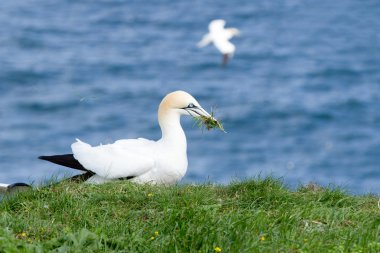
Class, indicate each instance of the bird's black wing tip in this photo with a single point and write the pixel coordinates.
(67, 160)
(17, 187)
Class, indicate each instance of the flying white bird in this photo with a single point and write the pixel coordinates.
(220, 36)
(139, 160)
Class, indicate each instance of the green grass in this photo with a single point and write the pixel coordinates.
(259, 215)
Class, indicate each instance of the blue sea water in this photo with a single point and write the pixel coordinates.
(300, 99)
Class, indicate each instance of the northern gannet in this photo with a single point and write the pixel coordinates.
(10, 188)
(139, 160)
(220, 36)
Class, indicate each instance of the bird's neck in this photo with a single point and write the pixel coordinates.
(171, 129)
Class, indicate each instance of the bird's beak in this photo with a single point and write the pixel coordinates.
(197, 111)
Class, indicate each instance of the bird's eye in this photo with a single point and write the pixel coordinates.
(191, 105)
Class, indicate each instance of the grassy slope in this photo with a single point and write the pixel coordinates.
(260, 215)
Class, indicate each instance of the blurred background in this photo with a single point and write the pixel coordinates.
(300, 99)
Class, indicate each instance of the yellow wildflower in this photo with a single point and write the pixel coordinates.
(218, 249)
(156, 233)
(150, 194)
(21, 235)
(262, 238)
(152, 238)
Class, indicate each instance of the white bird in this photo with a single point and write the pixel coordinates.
(220, 37)
(10, 188)
(139, 160)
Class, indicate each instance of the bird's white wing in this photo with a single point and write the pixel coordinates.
(229, 33)
(224, 46)
(216, 25)
(207, 39)
(121, 159)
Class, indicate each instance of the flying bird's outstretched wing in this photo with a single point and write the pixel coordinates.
(118, 160)
(216, 25)
(207, 39)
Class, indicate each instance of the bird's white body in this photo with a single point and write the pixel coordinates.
(145, 161)
(142, 159)
(220, 36)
